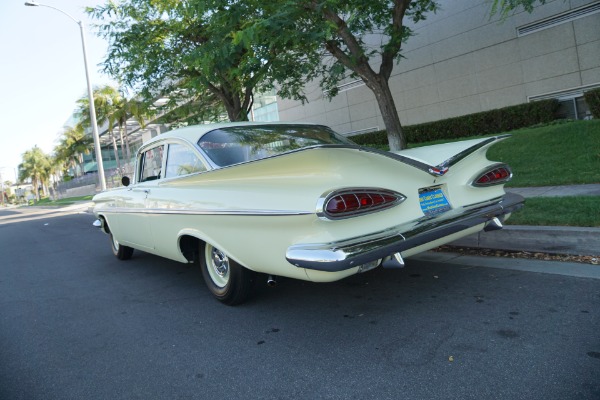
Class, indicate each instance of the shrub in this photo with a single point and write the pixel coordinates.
(482, 123)
(592, 98)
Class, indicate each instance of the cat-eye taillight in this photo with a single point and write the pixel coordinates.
(352, 202)
(495, 175)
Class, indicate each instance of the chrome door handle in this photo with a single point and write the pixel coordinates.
(141, 190)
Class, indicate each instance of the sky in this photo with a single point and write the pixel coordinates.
(42, 74)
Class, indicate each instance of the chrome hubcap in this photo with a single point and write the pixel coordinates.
(220, 262)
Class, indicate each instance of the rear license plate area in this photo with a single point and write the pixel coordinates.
(433, 201)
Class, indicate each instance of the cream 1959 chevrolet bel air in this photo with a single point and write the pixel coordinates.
(298, 201)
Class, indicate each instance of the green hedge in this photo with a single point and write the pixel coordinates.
(482, 123)
(592, 98)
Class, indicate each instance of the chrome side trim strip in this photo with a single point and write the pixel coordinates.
(123, 210)
(350, 253)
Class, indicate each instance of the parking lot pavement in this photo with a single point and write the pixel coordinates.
(76, 323)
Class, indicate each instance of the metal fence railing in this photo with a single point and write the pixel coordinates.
(88, 184)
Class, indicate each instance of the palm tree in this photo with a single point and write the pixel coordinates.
(114, 108)
(140, 111)
(125, 109)
(106, 101)
(74, 143)
(35, 166)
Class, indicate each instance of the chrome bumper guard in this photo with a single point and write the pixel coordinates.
(350, 253)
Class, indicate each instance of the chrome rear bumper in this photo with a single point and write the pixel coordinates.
(350, 253)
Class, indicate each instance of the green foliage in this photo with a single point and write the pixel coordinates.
(72, 144)
(36, 165)
(505, 7)
(488, 122)
(483, 123)
(592, 98)
(206, 51)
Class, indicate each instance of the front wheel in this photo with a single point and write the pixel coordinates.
(120, 251)
(229, 282)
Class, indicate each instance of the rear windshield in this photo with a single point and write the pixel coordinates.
(234, 145)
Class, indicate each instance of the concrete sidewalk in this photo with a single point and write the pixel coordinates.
(542, 239)
(557, 191)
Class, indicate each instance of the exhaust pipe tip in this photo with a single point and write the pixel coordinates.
(271, 282)
(493, 225)
(393, 262)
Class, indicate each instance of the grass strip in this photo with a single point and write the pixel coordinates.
(62, 202)
(563, 154)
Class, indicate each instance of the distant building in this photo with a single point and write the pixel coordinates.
(461, 61)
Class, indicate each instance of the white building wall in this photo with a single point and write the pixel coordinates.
(461, 62)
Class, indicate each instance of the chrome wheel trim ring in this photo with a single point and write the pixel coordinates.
(217, 264)
(115, 243)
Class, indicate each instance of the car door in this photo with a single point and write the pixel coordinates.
(181, 159)
(134, 224)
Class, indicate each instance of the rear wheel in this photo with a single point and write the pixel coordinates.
(120, 251)
(229, 282)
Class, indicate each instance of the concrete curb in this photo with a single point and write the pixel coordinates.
(537, 239)
(547, 267)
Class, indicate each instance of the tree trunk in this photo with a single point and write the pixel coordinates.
(387, 107)
(116, 149)
(235, 107)
(235, 111)
(36, 189)
(123, 157)
(127, 145)
(79, 166)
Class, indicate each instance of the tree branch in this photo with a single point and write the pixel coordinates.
(395, 43)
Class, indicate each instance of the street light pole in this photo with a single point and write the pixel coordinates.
(93, 121)
(1, 190)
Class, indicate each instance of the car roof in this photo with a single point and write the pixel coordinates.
(195, 132)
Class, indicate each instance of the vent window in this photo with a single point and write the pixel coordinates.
(558, 19)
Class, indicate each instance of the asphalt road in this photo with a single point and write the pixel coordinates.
(76, 323)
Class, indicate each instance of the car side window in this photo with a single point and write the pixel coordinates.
(151, 164)
(181, 160)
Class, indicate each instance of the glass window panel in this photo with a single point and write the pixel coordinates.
(151, 164)
(182, 160)
(566, 109)
(234, 145)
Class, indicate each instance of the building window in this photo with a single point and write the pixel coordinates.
(265, 108)
(573, 108)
